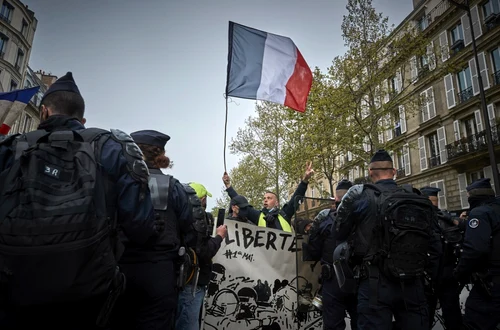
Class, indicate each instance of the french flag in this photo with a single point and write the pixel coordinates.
(266, 66)
(12, 105)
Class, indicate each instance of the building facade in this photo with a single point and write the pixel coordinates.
(30, 117)
(443, 143)
(17, 30)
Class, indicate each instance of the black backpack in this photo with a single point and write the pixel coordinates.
(403, 231)
(56, 241)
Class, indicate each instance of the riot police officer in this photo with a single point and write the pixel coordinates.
(128, 202)
(321, 244)
(446, 287)
(480, 257)
(382, 293)
(150, 300)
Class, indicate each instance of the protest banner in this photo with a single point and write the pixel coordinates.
(259, 283)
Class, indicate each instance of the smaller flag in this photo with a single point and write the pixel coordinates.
(12, 105)
(266, 66)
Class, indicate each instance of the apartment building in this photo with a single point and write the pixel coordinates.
(445, 144)
(442, 144)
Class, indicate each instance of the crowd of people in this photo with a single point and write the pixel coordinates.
(93, 235)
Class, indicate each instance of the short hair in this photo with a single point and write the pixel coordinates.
(65, 103)
(271, 192)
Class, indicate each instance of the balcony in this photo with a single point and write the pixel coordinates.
(434, 161)
(5, 18)
(465, 95)
(492, 21)
(496, 77)
(473, 143)
(439, 10)
(400, 173)
(424, 70)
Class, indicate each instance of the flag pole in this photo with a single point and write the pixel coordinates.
(225, 135)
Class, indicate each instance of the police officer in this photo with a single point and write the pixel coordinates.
(446, 288)
(320, 246)
(150, 300)
(271, 215)
(379, 296)
(480, 258)
(127, 199)
(206, 247)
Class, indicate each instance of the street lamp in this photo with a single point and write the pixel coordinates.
(491, 148)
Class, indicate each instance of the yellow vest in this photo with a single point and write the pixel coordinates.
(284, 224)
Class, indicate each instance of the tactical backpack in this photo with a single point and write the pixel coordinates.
(403, 231)
(57, 243)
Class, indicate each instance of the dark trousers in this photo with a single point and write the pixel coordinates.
(482, 311)
(449, 297)
(80, 315)
(150, 299)
(406, 302)
(335, 305)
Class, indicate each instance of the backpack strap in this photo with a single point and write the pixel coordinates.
(24, 141)
(408, 188)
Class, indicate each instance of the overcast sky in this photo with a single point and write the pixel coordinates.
(161, 64)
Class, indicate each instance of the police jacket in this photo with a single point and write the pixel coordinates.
(321, 243)
(134, 213)
(173, 216)
(357, 213)
(481, 247)
(286, 212)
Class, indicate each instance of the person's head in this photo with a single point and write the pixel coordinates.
(201, 192)
(270, 200)
(381, 166)
(152, 144)
(239, 205)
(479, 191)
(63, 98)
(431, 193)
(342, 187)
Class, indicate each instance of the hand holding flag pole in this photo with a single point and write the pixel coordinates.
(265, 66)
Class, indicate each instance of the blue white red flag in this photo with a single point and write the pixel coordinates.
(12, 105)
(266, 66)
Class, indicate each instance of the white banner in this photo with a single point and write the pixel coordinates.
(257, 282)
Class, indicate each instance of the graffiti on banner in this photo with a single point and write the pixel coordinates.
(256, 283)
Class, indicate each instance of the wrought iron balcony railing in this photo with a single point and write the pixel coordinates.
(473, 143)
(434, 161)
(465, 95)
(400, 173)
(496, 77)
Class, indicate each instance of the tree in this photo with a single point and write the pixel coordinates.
(250, 179)
(369, 79)
(262, 139)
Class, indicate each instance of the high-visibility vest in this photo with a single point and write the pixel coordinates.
(285, 226)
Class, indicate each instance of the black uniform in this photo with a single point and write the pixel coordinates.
(150, 300)
(480, 258)
(321, 244)
(379, 300)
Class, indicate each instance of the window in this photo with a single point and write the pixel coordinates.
(24, 28)
(441, 194)
(428, 108)
(474, 176)
(437, 147)
(3, 45)
(476, 24)
(26, 126)
(484, 73)
(457, 34)
(19, 59)
(464, 79)
(434, 150)
(490, 7)
(13, 85)
(6, 11)
(443, 43)
(424, 62)
(423, 22)
(495, 63)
